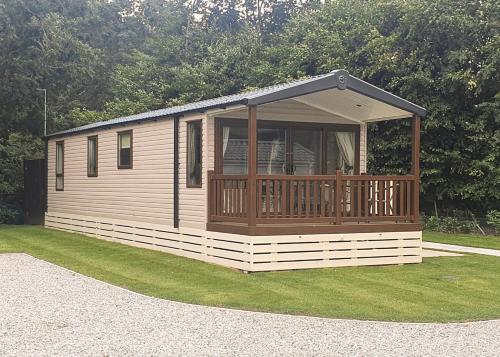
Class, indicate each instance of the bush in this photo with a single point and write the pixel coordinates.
(454, 225)
(448, 225)
(432, 223)
(493, 219)
(7, 215)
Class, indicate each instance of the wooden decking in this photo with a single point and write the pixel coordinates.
(310, 228)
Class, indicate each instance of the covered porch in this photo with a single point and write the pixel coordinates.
(292, 177)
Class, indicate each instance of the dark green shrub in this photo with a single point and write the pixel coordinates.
(448, 225)
(432, 223)
(7, 215)
(455, 225)
(493, 219)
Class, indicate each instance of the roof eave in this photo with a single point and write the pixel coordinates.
(369, 90)
(336, 79)
(70, 132)
(341, 80)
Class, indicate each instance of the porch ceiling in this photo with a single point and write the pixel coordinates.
(285, 110)
(352, 106)
(328, 106)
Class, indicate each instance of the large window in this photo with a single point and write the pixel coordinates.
(60, 165)
(92, 156)
(288, 148)
(194, 154)
(234, 149)
(125, 149)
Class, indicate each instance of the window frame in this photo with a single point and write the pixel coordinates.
(200, 123)
(96, 154)
(60, 142)
(118, 134)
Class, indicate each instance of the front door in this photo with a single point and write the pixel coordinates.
(289, 150)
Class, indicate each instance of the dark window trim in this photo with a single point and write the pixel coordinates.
(130, 131)
(200, 122)
(60, 142)
(89, 138)
(356, 128)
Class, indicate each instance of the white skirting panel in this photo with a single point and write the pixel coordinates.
(252, 253)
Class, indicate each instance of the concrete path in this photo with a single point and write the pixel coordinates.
(46, 310)
(461, 249)
(428, 253)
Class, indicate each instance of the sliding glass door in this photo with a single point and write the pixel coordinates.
(272, 150)
(286, 148)
(306, 151)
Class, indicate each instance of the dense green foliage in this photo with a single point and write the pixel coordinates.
(100, 59)
(7, 215)
(440, 289)
(493, 218)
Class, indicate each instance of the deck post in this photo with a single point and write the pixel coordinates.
(338, 197)
(252, 166)
(415, 165)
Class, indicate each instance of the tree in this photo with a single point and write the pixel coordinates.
(104, 59)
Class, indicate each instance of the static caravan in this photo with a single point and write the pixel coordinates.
(269, 179)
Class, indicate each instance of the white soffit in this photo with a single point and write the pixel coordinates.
(352, 105)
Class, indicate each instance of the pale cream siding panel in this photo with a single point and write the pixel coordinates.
(192, 201)
(143, 193)
(363, 144)
(210, 147)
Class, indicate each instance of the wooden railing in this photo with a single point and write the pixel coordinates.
(331, 199)
(227, 197)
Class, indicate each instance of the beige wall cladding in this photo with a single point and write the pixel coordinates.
(192, 200)
(143, 193)
(363, 145)
(251, 253)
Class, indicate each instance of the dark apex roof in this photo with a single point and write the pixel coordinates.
(340, 79)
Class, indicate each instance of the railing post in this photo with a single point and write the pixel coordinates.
(211, 195)
(415, 165)
(252, 166)
(338, 197)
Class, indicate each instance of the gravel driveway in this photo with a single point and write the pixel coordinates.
(48, 310)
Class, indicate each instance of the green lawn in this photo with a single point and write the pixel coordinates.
(468, 240)
(441, 289)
